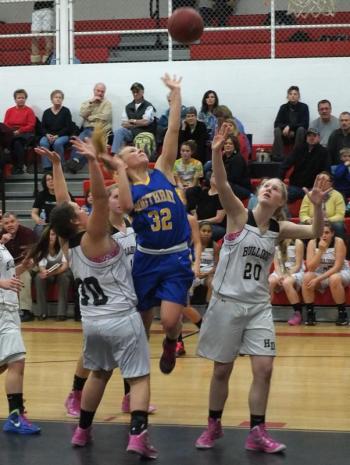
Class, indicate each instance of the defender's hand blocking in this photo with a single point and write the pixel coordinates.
(113, 163)
(172, 83)
(51, 155)
(319, 191)
(220, 137)
(85, 147)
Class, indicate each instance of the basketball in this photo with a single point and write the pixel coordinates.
(185, 25)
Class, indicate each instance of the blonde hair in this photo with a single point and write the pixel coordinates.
(99, 139)
(235, 131)
(279, 213)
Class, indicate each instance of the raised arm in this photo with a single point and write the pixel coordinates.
(236, 213)
(98, 223)
(289, 230)
(116, 164)
(59, 181)
(165, 162)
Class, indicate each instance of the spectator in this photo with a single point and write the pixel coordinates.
(326, 123)
(236, 168)
(18, 239)
(222, 113)
(95, 112)
(188, 170)
(87, 207)
(210, 101)
(205, 204)
(182, 3)
(291, 123)
(242, 138)
(288, 275)
(342, 173)
(44, 203)
(162, 123)
(21, 121)
(333, 207)
(137, 117)
(308, 160)
(42, 21)
(56, 124)
(327, 267)
(217, 12)
(192, 129)
(53, 268)
(340, 138)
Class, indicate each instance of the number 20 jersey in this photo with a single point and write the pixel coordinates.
(159, 216)
(105, 288)
(244, 265)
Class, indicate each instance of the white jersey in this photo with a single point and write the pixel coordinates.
(291, 258)
(105, 288)
(328, 260)
(244, 264)
(127, 240)
(7, 271)
(207, 260)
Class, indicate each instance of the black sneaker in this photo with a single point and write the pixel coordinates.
(342, 318)
(27, 316)
(310, 318)
(168, 359)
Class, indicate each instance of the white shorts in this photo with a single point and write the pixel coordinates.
(116, 342)
(345, 279)
(11, 343)
(299, 276)
(231, 328)
(43, 20)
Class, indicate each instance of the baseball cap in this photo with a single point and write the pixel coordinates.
(137, 86)
(313, 131)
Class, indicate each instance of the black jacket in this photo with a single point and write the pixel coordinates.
(132, 113)
(294, 116)
(337, 141)
(307, 165)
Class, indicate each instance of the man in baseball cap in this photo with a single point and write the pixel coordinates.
(137, 117)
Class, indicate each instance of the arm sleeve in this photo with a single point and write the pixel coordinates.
(30, 122)
(149, 114)
(67, 124)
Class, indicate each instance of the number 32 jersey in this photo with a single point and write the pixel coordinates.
(244, 265)
(159, 216)
(105, 288)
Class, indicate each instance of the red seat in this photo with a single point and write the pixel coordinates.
(294, 208)
(86, 184)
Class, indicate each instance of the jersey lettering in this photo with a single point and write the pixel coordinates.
(161, 220)
(90, 288)
(252, 272)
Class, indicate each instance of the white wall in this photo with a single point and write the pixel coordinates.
(253, 89)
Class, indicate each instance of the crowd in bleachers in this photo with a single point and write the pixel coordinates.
(303, 151)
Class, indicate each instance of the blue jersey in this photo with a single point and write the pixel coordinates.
(159, 217)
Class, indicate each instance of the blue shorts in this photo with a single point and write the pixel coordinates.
(162, 277)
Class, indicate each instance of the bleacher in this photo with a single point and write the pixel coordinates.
(225, 44)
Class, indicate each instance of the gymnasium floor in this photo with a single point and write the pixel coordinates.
(308, 409)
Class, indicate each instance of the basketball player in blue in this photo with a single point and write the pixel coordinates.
(162, 267)
(239, 316)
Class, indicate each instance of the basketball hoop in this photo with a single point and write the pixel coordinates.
(303, 8)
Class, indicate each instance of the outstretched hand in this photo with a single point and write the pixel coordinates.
(220, 137)
(84, 147)
(319, 190)
(51, 155)
(172, 82)
(113, 163)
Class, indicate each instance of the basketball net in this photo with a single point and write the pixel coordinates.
(303, 8)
